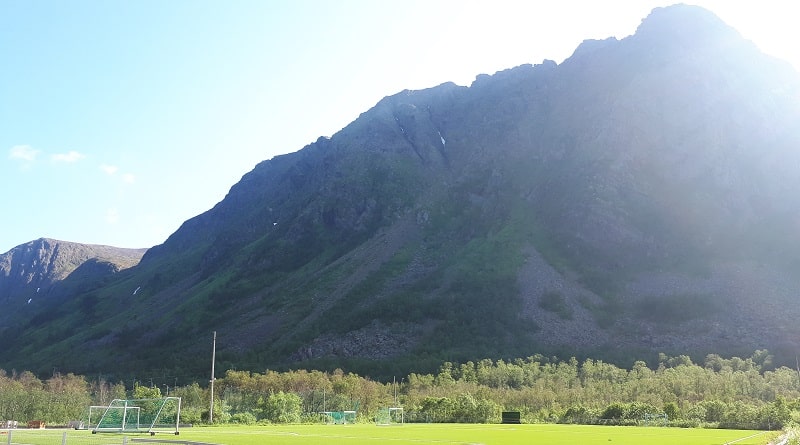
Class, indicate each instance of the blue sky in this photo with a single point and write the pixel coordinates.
(119, 120)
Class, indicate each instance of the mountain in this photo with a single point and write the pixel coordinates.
(639, 197)
(50, 270)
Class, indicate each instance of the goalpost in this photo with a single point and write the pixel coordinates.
(656, 419)
(139, 416)
(390, 416)
(96, 412)
(338, 417)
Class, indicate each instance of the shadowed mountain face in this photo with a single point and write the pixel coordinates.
(45, 271)
(637, 198)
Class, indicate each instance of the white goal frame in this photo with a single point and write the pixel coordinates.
(391, 416)
(129, 424)
(104, 409)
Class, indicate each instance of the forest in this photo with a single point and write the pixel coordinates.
(718, 393)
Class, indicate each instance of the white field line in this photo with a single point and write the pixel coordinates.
(745, 438)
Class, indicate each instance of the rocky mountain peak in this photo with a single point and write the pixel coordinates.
(37, 265)
(684, 25)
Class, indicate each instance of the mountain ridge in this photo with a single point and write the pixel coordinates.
(636, 198)
(47, 270)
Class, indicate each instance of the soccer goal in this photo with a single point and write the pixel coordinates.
(390, 416)
(140, 416)
(339, 417)
(655, 419)
(96, 413)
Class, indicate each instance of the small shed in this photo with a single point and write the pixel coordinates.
(36, 424)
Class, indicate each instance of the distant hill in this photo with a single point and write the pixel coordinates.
(639, 197)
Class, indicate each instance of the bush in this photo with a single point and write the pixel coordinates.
(579, 414)
(714, 410)
(615, 411)
(696, 413)
(638, 410)
(245, 418)
(191, 415)
(774, 415)
(685, 423)
(438, 409)
(672, 411)
(740, 415)
(282, 407)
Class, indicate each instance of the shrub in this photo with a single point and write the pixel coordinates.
(614, 411)
(714, 410)
(672, 411)
(244, 418)
(579, 414)
(282, 407)
(191, 415)
(638, 410)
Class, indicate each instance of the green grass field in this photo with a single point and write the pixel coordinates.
(416, 434)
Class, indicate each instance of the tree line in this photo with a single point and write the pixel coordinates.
(720, 392)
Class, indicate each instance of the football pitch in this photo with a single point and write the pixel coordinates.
(472, 434)
(413, 434)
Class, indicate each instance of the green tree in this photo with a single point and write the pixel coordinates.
(614, 411)
(282, 407)
(714, 410)
(245, 418)
(438, 409)
(774, 415)
(578, 414)
(672, 410)
(639, 410)
(144, 392)
(763, 359)
(68, 398)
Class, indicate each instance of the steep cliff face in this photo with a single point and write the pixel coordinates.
(637, 198)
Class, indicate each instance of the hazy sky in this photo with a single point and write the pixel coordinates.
(119, 120)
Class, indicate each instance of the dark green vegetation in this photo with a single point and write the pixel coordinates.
(640, 197)
(728, 393)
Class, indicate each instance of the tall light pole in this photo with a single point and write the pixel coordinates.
(213, 359)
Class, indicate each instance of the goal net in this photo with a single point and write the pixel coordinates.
(339, 417)
(113, 413)
(390, 416)
(138, 416)
(655, 419)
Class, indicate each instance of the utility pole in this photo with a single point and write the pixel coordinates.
(213, 359)
(798, 366)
